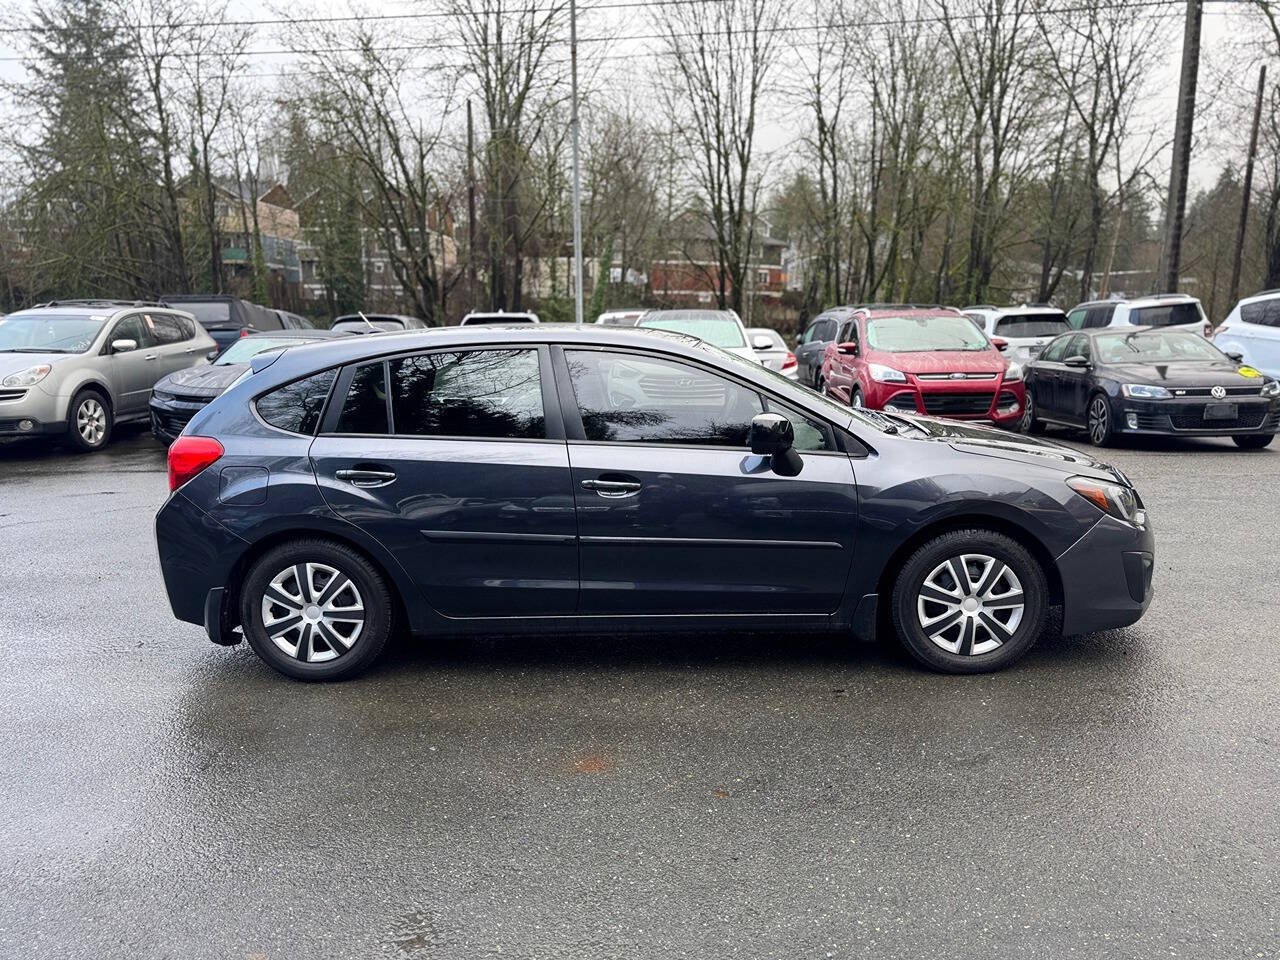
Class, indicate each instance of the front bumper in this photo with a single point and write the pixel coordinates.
(1186, 417)
(1106, 576)
(30, 412)
(171, 414)
(990, 400)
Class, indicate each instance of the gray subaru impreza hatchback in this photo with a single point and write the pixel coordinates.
(563, 478)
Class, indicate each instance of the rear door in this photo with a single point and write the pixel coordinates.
(448, 458)
(675, 514)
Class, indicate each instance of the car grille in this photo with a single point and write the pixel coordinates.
(1250, 418)
(955, 376)
(7, 395)
(691, 389)
(958, 403)
(1208, 391)
(172, 422)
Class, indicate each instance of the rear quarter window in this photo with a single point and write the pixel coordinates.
(296, 406)
(1265, 313)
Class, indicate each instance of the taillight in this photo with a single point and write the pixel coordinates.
(1208, 331)
(245, 331)
(790, 362)
(188, 456)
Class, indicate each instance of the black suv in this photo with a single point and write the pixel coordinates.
(226, 318)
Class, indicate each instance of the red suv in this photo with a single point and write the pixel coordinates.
(933, 361)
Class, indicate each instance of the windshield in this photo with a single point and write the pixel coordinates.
(717, 329)
(243, 349)
(1154, 346)
(211, 315)
(1167, 315)
(922, 334)
(49, 333)
(1031, 325)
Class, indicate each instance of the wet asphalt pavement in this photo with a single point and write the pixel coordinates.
(1113, 795)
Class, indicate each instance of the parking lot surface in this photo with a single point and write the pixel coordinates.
(1113, 795)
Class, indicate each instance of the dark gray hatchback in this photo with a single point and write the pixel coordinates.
(561, 478)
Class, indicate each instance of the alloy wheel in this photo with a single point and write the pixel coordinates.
(1098, 417)
(970, 604)
(855, 401)
(1028, 420)
(313, 612)
(91, 421)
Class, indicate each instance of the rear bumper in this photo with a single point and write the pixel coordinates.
(197, 556)
(1106, 577)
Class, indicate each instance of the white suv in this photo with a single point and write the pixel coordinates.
(1252, 329)
(1173, 311)
(1025, 329)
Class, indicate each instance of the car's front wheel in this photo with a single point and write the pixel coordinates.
(969, 601)
(1029, 424)
(89, 421)
(855, 399)
(1101, 431)
(315, 610)
(1253, 441)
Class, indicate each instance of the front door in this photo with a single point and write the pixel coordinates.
(676, 516)
(132, 372)
(1073, 383)
(446, 459)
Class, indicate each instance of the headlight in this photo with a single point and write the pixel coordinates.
(1271, 388)
(1013, 372)
(1113, 498)
(1144, 391)
(28, 377)
(882, 374)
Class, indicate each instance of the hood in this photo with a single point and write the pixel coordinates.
(207, 379)
(15, 362)
(1184, 373)
(991, 442)
(943, 361)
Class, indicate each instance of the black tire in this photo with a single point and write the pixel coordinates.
(1029, 424)
(89, 421)
(855, 398)
(1098, 421)
(1253, 441)
(368, 582)
(906, 608)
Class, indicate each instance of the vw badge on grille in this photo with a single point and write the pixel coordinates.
(1218, 392)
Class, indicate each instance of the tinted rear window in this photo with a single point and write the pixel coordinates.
(1263, 312)
(1031, 325)
(483, 393)
(211, 315)
(296, 406)
(1166, 315)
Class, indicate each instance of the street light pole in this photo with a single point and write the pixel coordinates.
(577, 190)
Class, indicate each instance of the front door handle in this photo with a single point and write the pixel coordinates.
(613, 489)
(366, 478)
(149, 356)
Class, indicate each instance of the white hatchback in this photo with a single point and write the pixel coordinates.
(1169, 311)
(1025, 330)
(1252, 329)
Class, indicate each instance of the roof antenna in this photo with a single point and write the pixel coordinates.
(368, 321)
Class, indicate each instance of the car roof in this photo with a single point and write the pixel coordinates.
(94, 307)
(294, 333)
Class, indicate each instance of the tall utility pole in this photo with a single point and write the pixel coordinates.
(577, 190)
(1176, 208)
(471, 211)
(1248, 188)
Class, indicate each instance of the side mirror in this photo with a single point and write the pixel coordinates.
(1076, 361)
(761, 342)
(773, 436)
(1000, 343)
(212, 354)
(123, 346)
(849, 347)
(1236, 355)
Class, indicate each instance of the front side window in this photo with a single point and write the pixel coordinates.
(631, 398)
(1056, 350)
(810, 434)
(480, 393)
(296, 406)
(131, 328)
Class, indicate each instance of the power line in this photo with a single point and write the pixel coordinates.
(1121, 5)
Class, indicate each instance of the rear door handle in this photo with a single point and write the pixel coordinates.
(366, 478)
(613, 489)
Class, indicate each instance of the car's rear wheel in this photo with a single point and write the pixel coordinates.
(1101, 432)
(1253, 441)
(89, 421)
(315, 610)
(1029, 423)
(969, 601)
